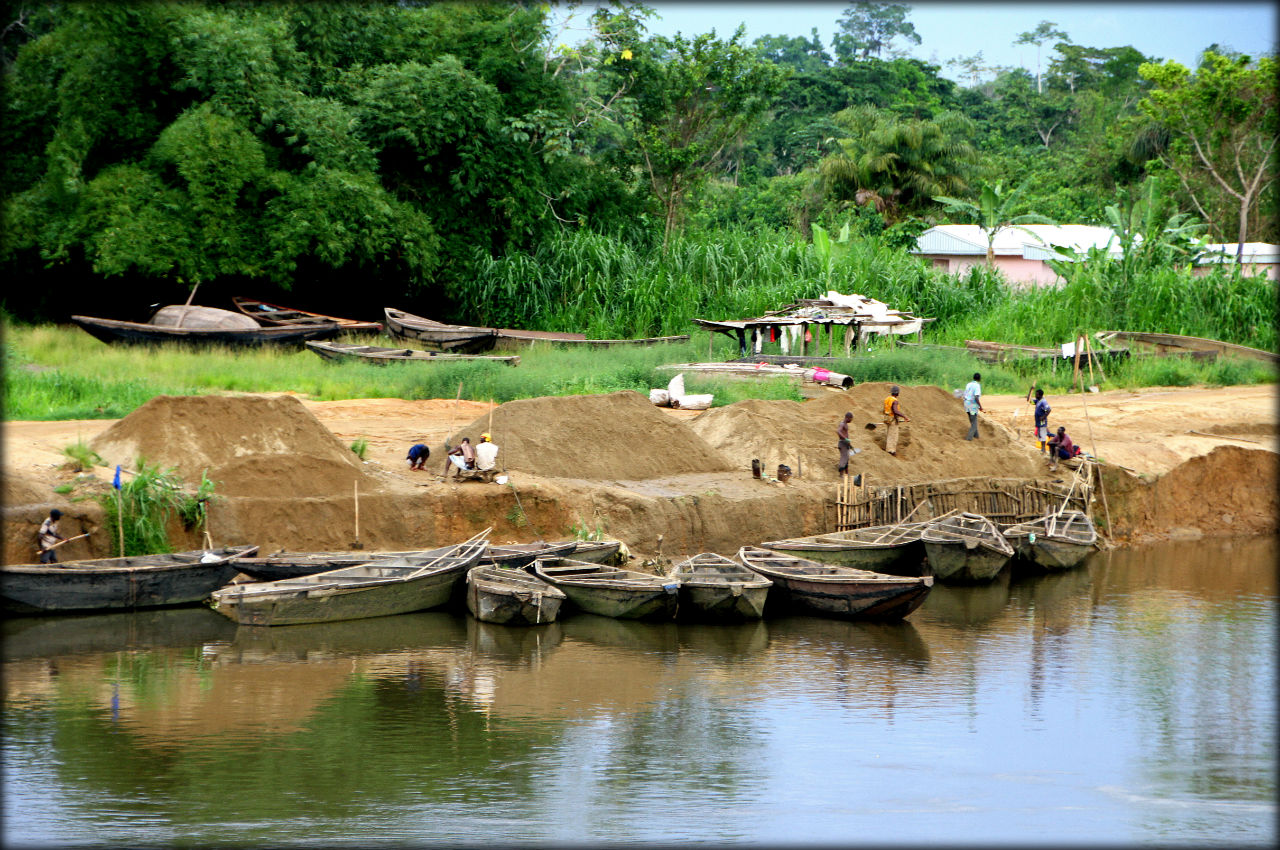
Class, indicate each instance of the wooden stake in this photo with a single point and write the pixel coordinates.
(120, 520)
(356, 544)
(1088, 357)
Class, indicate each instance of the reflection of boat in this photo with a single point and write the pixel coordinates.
(969, 604)
(829, 590)
(512, 597)
(78, 634)
(1056, 541)
(723, 640)
(878, 642)
(526, 646)
(139, 581)
(438, 335)
(965, 547)
(610, 591)
(274, 314)
(517, 555)
(599, 551)
(324, 641)
(199, 325)
(713, 587)
(379, 354)
(376, 589)
(894, 549)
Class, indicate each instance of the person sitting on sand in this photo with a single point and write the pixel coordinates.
(418, 454)
(463, 456)
(1061, 448)
(486, 453)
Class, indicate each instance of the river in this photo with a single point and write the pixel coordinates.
(1132, 700)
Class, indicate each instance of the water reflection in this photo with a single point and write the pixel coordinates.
(1139, 688)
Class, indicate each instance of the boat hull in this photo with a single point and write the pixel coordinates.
(337, 351)
(734, 603)
(840, 597)
(903, 559)
(514, 599)
(437, 335)
(111, 330)
(114, 583)
(1053, 554)
(952, 561)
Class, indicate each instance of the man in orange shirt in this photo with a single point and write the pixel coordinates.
(892, 416)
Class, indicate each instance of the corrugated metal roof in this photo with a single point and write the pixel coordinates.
(1254, 252)
(1030, 241)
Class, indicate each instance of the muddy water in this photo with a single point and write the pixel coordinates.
(1132, 700)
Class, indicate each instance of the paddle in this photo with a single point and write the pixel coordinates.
(62, 543)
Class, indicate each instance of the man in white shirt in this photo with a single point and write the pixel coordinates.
(486, 453)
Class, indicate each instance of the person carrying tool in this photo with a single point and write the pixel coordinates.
(49, 537)
(1042, 421)
(892, 416)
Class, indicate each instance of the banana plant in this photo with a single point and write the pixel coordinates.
(993, 211)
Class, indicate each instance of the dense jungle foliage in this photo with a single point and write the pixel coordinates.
(467, 162)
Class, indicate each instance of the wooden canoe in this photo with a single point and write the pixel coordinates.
(965, 547)
(438, 335)
(113, 330)
(1056, 541)
(1160, 343)
(140, 581)
(511, 597)
(894, 549)
(273, 314)
(378, 354)
(609, 591)
(519, 555)
(514, 338)
(282, 565)
(375, 589)
(600, 552)
(828, 590)
(719, 589)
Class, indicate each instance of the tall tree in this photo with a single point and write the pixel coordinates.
(1045, 31)
(1221, 125)
(867, 28)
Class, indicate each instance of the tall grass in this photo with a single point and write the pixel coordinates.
(144, 505)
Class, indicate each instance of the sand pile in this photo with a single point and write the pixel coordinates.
(250, 445)
(619, 436)
(930, 447)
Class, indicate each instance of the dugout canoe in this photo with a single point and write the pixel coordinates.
(519, 555)
(514, 338)
(610, 591)
(461, 339)
(511, 597)
(600, 552)
(159, 329)
(1056, 541)
(138, 581)
(894, 549)
(377, 354)
(719, 589)
(375, 589)
(829, 590)
(273, 314)
(282, 565)
(965, 547)
(1165, 344)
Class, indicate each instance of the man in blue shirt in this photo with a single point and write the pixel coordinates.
(1042, 421)
(973, 404)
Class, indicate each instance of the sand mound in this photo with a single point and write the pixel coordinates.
(619, 436)
(250, 445)
(930, 447)
(22, 489)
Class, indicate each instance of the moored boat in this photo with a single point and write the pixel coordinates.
(138, 581)
(965, 547)
(378, 354)
(375, 589)
(609, 591)
(830, 590)
(438, 335)
(600, 552)
(273, 314)
(200, 325)
(282, 565)
(1056, 541)
(519, 555)
(514, 338)
(713, 587)
(511, 597)
(894, 549)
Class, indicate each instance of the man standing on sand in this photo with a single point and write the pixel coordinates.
(843, 444)
(973, 404)
(892, 416)
(49, 537)
(1042, 421)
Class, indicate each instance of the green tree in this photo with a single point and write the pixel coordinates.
(867, 28)
(1044, 32)
(993, 212)
(1221, 126)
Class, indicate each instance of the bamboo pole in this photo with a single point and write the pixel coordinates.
(1088, 357)
(120, 520)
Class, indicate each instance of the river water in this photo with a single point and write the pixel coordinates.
(1132, 700)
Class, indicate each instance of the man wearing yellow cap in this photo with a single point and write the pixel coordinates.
(486, 453)
(892, 416)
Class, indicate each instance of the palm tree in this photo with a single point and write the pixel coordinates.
(993, 211)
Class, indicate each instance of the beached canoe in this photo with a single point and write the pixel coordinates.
(375, 589)
(609, 591)
(511, 597)
(828, 590)
(965, 547)
(894, 549)
(520, 555)
(273, 314)
(139, 581)
(600, 552)
(516, 338)
(716, 588)
(1057, 541)
(202, 326)
(378, 354)
(462, 339)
